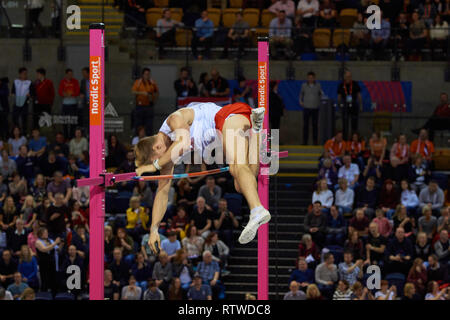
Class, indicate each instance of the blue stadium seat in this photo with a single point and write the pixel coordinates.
(64, 296)
(44, 296)
(398, 280)
(308, 57)
(338, 253)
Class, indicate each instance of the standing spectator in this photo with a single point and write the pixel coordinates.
(47, 255)
(16, 141)
(35, 8)
(417, 34)
(78, 144)
(432, 196)
(316, 223)
(308, 10)
(57, 216)
(310, 95)
(4, 107)
(217, 86)
(350, 101)
(276, 103)
(380, 38)
(442, 248)
(165, 31)
(294, 292)
(146, 92)
(344, 197)
(399, 252)
(203, 35)
(83, 107)
(201, 217)
(185, 86)
(327, 14)
(17, 238)
(44, 96)
(375, 246)
(225, 222)
(349, 171)
(280, 35)
(238, 34)
(287, 6)
(327, 275)
(22, 90)
(348, 270)
(199, 291)
(399, 158)
(69, 90)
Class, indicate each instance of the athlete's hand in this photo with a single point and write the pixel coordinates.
(150, 168)
(154, 238)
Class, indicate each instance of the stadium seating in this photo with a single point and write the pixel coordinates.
(341, 36)
(214, 14)
(177, 14)
(65, 296)
(229, 16)
(161, 3)
(153, 15)
(321, 38)
(266, 17)
(348, 17)
(43, 296)
(236, 3)
(183, 37)
(251, 16)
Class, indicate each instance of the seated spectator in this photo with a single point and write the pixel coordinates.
(359, 224)
(313, 293)
(323, 195)
(380, 37)
(418, 276)
(185, 195)
(3, 190)
(423, 146)
(440, 117)
(145, 248)
(344, 197)
(111, 289)
(162, 272)
(328, 171)
(182, 269)
(443, 220)
(327, 275)
(409, 293)
(435, 270)
(389, 198)
(302, 37)
(202, 82)
(408, 198)
(137, 219)
(28, 212)
(59, 185)
(80, 216)
(141, 270)
(378, 147)
(438, 36)
(375, 246)
(336, 228)
(280, 35)
(433, 292)
(417, 34)
(119, 268)
(287, 6)
(153, 292)
(386, 292)
(144, 192)
(217, 86)
(243, 92)
(18, 286)
(25, 163)
(80, 239)
(316, 223)
(356, 148)
(383, 223)
(402, 220)
(399, 158)
(308, 10)
(72, 258)
(165, 31)
(343, 291)
(355, 244)
(360, 36)
(422, 247)
(442, 248)
(184, 86)
(16, 141)
(17, 238)
(427, 223)
(116, 152)
(336, 148)
(419, 173)
(350, 271)
(125, 242)
(432, 196)
(128, 165)
(201, 218)
(209, 271)
(199, 291)
(349, 171)
(327, 14)
(237, 35)
(360, 292)
(303, 275)
(37, 145)
(175, 290)
(373, 169)
(203, 35)
(18, 188)
(78, 144)
(367, 197)
(399, 252)
(309, 250)
(294, 292)
(7, 165)
(131, 291)
(28, 267)
(8, 267)
(193, 243)
(171, 244)
(179, 223)
(219, 250)
(225, 222)
(140, 133)
(59, 147)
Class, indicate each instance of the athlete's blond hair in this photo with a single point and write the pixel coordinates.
(143, 150)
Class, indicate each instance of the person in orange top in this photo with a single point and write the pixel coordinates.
(377, 146)
(69, 90)
(399, 158)
(335, 147)
(356, 147)
(146, 91)
(423, 146)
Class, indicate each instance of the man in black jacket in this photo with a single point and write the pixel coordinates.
(399, 253)
(17, 237)
(185, 86)
(316, 224)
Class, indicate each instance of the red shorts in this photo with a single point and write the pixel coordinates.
(234, 108)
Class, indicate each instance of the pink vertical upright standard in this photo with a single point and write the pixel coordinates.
(263, 178)
(96, 159)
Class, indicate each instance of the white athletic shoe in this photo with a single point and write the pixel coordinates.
(256, 220)
(257, 118)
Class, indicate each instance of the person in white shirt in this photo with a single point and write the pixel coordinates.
(386, 293)
(287, 5)
(349, 171)
(308, 10)
(280, 35)
(344, 197)
(22, 91)
(409, 198)
(323, 194)
(438, 34)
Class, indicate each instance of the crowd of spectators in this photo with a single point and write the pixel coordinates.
(375, 205)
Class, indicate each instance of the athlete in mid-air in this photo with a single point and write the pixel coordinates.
(195, 127)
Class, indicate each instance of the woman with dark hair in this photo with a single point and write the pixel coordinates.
(389, 198)
(418, 276)
(204, 78)
(355, 245)
(399, 158)
(47, 256)
(276, 105)
(16, 141)
(175, 290)
(142, 271)
(126, 243)
(218, 248)
(8, 215)
(185, 194)
(116, 152)
(42, 211)
(401, 220)
(193, 244)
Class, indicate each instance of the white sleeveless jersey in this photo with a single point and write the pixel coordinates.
(203, 128)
